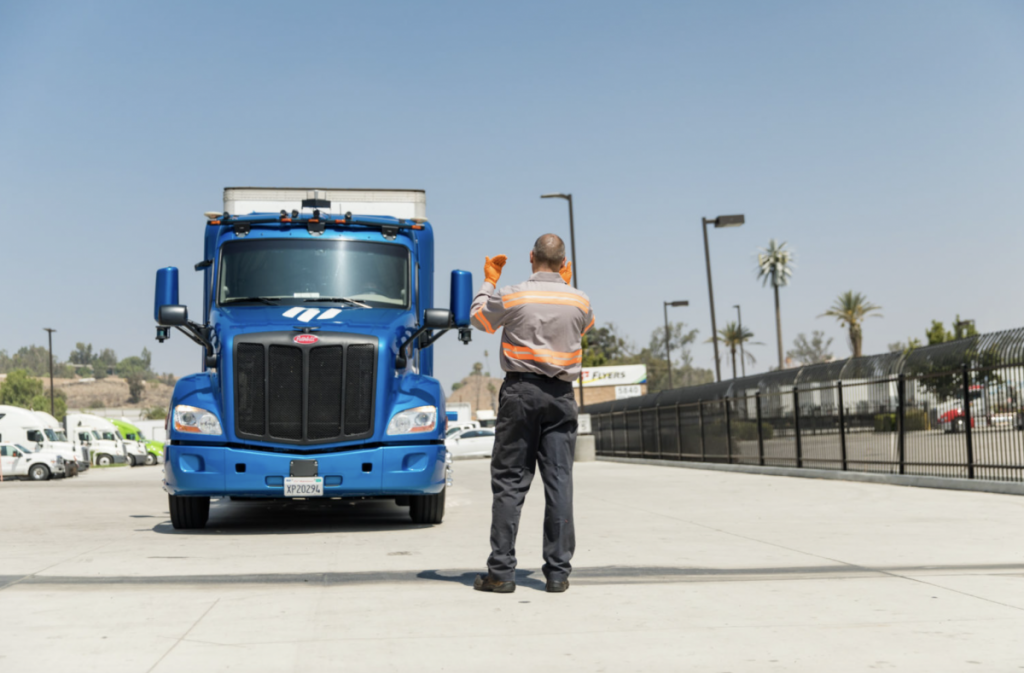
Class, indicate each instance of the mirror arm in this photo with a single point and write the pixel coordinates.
(197, 333)
(402, 359)
(430, 339)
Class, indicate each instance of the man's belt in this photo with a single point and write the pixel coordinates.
(530, 376)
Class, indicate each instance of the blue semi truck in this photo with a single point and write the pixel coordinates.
(317, 371)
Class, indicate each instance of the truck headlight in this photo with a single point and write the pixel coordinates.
(417, 419)
(194, 419)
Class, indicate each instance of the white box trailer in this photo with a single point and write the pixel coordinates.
(404, 204)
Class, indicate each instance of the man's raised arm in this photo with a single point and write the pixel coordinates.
(488, 311)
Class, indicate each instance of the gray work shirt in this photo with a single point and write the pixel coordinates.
(544, 320)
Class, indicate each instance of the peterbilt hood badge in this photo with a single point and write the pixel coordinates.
(306, 338)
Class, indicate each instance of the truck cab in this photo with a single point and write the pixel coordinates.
(56, 437)
(131, 433)
(91, 433)
(317, 370)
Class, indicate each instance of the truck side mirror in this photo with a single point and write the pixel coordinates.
(462, 297)
(437, 318)
(172, 316)
(166, 290)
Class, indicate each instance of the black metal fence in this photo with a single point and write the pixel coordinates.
(950, 410)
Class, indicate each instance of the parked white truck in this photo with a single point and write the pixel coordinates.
(55, 435)
(95, 435)
(26, 428)
(18, 460)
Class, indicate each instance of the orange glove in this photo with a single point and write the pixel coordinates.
(566, 272)
(492, 268)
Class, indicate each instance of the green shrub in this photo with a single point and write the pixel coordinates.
(916, 419)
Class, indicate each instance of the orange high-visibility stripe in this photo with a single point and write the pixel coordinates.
(587, 328)
(544, 297)
(541, 351)
(479, 315)
(543, 358)
(542, 355)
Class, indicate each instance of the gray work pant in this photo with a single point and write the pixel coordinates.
(536, 425)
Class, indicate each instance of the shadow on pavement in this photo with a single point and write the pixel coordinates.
(523, 578)
(298, 517)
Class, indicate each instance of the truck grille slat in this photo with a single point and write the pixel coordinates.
(359, 390)
(251, 381)
(314, 394)
(325, 376)
(285, 392)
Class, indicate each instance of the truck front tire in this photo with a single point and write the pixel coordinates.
(103, 460)
(150, 459)
(39, 473)
(427, 508)
(188, 513)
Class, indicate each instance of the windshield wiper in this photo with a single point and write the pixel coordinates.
(238, 300)
(339, 299)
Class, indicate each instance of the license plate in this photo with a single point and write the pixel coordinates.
(303, 487)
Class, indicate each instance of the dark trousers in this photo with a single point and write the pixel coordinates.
(536, 425)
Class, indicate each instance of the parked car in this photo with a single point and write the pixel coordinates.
(471, 443)
(455, 427)
(17, 460)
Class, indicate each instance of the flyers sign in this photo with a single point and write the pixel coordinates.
(624, 375)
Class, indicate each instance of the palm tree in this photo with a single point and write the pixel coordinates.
(776, 265)
(850, 309)
(731, 336)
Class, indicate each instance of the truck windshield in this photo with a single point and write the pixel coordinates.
(51, 435)
(314, 271)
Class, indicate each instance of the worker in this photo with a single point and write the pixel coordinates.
(543, 322)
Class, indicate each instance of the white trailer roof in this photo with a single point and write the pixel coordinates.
(400, 203)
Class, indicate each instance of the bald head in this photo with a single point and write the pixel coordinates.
(548, 253)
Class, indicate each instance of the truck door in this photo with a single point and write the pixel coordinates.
(6, 460)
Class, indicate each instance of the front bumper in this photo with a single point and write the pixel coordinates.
(200, 470)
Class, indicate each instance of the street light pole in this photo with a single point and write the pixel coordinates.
(668, 341)
(743, 356)
(49, 334)
(572, 248)
(719, 222)
(572, 235)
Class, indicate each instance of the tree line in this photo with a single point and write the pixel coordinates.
(84, 362)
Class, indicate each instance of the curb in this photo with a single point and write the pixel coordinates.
(952, 484)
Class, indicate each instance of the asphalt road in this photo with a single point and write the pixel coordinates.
(676, 570)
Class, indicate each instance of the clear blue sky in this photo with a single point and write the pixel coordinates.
(882, 140)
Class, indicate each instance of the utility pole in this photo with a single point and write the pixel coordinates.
(49, 334)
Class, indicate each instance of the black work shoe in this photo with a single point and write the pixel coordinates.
(490, 583)
(556, 587)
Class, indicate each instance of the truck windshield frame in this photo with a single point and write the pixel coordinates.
(318, 271)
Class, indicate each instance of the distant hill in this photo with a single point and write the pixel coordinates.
(480, 391)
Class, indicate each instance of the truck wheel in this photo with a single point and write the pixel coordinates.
(39, 473)
(427, 508)
(188, 513)
(131, 460)
(150, 459)
(104, 460)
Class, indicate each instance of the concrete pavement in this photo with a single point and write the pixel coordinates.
(676, 570)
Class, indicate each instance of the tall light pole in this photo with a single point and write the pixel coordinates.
(572, 244)
(49, 334)
(668, 341)
(743, 356)
(572, 247)
(720, 222)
